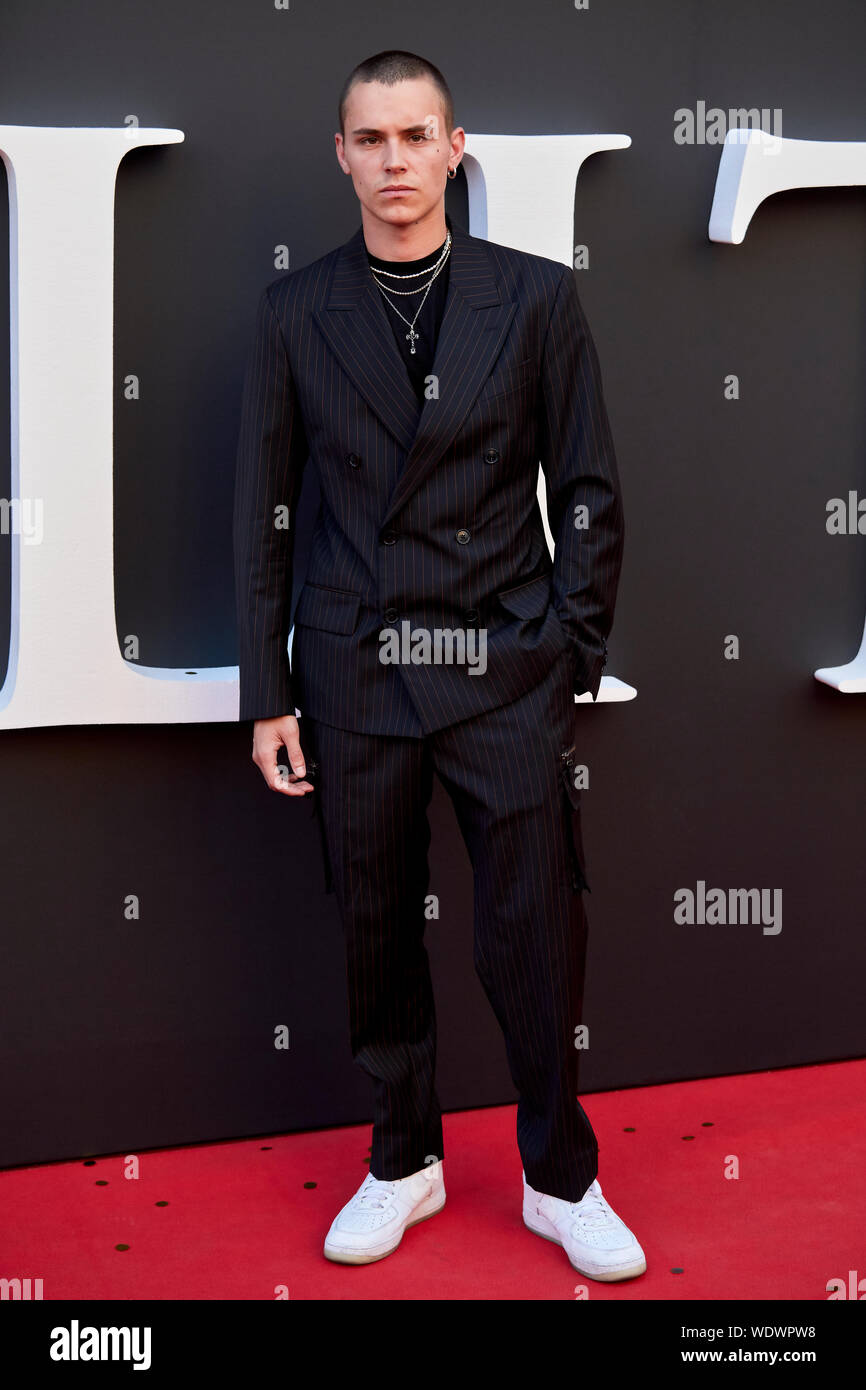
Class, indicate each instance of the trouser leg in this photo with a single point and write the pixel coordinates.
(504, 772)
(373, 795)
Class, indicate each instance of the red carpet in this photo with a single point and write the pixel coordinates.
(239, 1220)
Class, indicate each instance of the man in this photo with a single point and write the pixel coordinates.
(426, 373)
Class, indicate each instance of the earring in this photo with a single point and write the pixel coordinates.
(452, 173)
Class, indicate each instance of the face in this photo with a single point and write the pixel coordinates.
(397, 135)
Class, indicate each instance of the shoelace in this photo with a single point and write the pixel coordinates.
(377, 1194)
(592, 1209)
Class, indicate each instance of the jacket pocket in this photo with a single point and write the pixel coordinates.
(508, 379)
(531, 599)
(571, 821)
(330, 610)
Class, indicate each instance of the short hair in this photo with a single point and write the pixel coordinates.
(392, 66)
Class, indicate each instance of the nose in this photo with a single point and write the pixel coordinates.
(393, 159)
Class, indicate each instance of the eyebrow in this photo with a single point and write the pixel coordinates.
(409, 130)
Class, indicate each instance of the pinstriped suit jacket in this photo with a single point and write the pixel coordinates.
(429, 516)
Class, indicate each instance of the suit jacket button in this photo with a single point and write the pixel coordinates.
(391, 615)
(353, 460)
(471, 615)
(491, 456)
(388, 537)
(462, 537)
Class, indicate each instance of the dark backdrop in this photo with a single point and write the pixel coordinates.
(117, 1035)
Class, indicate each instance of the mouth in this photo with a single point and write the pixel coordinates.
(397, 188)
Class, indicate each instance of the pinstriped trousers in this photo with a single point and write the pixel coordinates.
(508, 772)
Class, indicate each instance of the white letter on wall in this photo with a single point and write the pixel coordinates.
(745, 178)
(521, 194)
(65, 663)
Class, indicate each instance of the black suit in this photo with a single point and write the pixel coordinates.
(518, 382)
(430, 516)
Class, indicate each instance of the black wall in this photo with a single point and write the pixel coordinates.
(117, 1035)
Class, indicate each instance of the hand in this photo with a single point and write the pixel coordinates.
(269, 735)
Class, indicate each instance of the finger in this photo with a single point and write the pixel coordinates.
(290, 783)
(295, 753)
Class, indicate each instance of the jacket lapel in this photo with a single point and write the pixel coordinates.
(474, 324)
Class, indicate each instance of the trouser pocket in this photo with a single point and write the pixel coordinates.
(327, 870)
(571, 820)
(309, 747)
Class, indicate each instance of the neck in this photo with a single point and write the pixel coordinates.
(389, 242)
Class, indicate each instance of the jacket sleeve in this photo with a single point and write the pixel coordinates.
(271, 456)
(580, 471)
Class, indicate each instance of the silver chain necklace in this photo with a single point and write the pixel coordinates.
(414, 275)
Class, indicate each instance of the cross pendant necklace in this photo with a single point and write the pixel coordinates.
(411, 337)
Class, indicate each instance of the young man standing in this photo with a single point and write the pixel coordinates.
(426, 373)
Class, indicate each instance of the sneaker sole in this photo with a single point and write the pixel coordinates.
(359, 1257)
(603, 1276)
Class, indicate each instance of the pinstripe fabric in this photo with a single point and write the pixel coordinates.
(519, 814)
(518, 383)
(429, 515)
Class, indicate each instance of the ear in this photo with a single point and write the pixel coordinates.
(341, 159)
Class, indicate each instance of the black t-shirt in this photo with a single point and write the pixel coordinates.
(420, 364)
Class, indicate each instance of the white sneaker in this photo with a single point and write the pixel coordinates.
(371, 1225)
(596, 1241)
